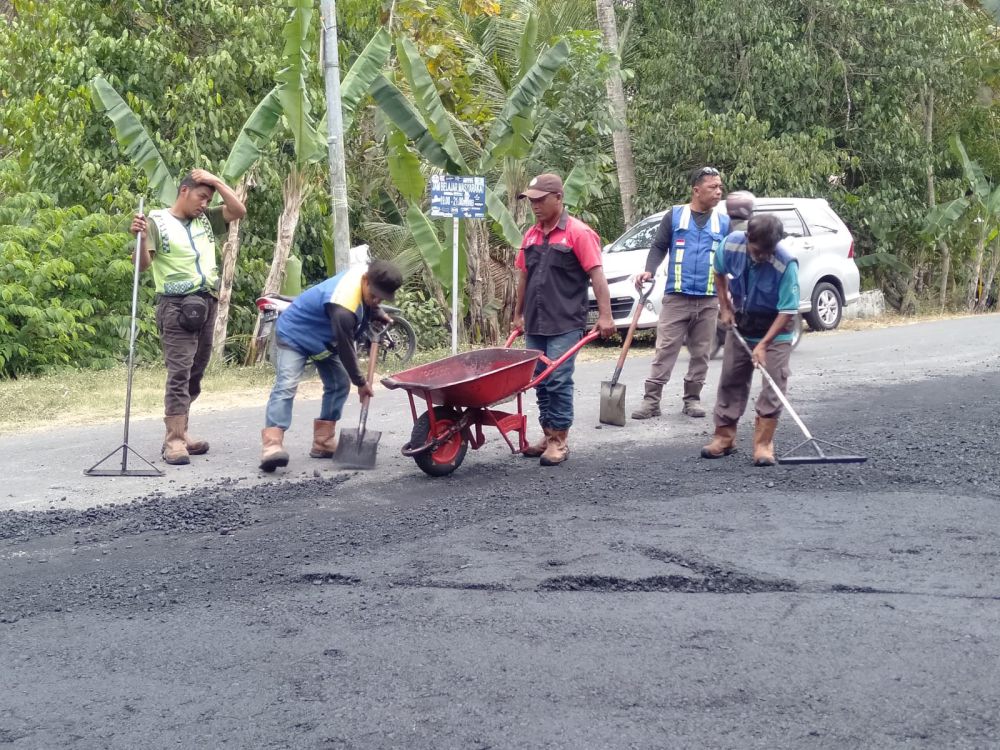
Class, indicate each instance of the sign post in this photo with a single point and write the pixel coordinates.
(457, 197)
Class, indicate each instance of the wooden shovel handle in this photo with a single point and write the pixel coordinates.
(631, 332)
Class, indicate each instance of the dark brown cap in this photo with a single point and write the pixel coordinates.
(384, 279)
(543, 185)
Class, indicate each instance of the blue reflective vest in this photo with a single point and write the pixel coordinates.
(763, 293)
(306, 327)
(692, 253)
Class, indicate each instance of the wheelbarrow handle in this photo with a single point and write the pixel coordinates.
(514, 333)
(551, 365)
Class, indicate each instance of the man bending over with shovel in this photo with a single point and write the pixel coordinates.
(321, 325)
(763, 279)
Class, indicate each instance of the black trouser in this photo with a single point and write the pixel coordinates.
(185, 353)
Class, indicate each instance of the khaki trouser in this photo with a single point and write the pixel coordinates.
(737, 376)
(684, 316)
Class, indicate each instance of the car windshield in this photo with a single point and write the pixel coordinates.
(639, 237)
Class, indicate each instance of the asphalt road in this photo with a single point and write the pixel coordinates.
(637, 597)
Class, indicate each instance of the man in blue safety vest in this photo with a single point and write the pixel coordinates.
(689, 235)
(762, 278)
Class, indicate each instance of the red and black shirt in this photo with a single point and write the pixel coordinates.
(557, 266)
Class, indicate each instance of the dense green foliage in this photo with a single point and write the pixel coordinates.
(857, 101)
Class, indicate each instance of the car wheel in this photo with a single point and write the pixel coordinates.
(827, 308)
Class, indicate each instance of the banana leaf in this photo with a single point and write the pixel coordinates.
(427, 241)
(363, 73)
(504, 224)
(426, 98)
(973, 171)
(292, 91)
(134, 139)
(944, 216)
(526, 94)
(397, 108)
(254, 135)
(404, 166)
(528, 49)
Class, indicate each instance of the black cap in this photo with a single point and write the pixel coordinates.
(384, 279)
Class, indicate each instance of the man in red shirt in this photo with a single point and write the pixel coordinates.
(560, 257)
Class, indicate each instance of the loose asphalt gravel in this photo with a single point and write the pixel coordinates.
(636, 597)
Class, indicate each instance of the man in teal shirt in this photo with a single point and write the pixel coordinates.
(758, 283)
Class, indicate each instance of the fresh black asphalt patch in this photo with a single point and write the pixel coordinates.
(636, 597)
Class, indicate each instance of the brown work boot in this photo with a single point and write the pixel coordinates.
(557, 450)
(692, 400)
(650, 406)
(723, 442)
(763, 441)
(536, 450)
(324, 438)
(194, 447)
(174, 450)
(273, 454)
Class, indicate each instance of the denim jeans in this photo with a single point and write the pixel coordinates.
(288, 372)
(555, 393)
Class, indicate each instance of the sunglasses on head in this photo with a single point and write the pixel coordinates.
(704, 172)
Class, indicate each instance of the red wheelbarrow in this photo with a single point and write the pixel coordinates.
(459, 392)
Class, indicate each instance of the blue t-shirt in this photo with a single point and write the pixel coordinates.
(788, 289)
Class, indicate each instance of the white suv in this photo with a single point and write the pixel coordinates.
(828, 277)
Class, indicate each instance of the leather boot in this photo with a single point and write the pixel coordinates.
(194, 447)
(692, 400)
(557, 450)
(650, 406)
(763, 441)
(324, 438)
(174, 449)
(536, 450)
(723, 442)
(273, 454)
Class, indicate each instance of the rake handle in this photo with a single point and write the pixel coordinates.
(774, 386)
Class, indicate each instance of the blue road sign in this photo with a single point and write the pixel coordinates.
(456, 197)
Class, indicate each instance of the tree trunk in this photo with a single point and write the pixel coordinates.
(294, 191)
(990, 277)
(621, 138)
(927, 98)
(977, 271)
(484, 306)
(230, 253)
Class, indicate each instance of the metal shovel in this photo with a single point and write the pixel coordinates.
(818, 456)
(358, 450)
(613, 394)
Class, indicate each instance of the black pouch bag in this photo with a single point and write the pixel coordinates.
(755, 325)
(193, 312)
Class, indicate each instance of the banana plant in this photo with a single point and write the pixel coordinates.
(423, 125)
(287, 103)
(977, 211)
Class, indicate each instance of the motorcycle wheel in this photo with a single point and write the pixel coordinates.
(397, 344)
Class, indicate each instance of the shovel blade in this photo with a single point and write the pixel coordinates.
(613, 404)
(355, 453)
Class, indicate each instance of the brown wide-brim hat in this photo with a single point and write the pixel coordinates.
(542, 185)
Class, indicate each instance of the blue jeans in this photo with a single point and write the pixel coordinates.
(288, 372)
(555, 393)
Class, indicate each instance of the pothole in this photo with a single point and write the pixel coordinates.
(335, 578)
(729, 583)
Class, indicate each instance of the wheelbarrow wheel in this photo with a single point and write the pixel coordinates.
(449, 455)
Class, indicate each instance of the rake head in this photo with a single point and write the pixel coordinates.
(819, 456)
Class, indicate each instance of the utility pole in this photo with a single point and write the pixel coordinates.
(335, 138)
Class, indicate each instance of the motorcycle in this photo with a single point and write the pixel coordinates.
(397, 341)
